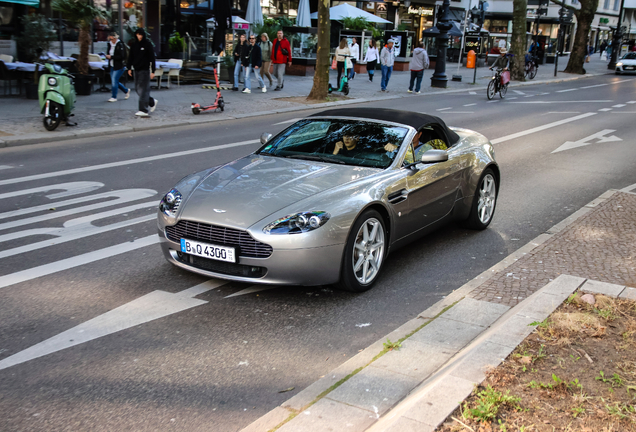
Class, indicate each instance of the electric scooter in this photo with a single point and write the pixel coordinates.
(344, 80)
(56, 93)
(218, 103)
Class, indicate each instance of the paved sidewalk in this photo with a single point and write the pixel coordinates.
(448, 348)
(21, 121)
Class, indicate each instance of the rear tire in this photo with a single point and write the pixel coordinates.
(364, 253)
(53, 121)
(484, 202)
(503, 89)
(345, 90)
(222, 105)
(490, 91)
(533, 72)
(196, 110)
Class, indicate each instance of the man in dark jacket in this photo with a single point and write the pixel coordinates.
(252, 61)
(142, 59)
(116, 58)
(281, 56)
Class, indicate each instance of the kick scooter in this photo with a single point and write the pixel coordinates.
(344, 80)
(218, 103)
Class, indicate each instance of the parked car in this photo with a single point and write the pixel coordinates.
(627, 64)
(326, 200)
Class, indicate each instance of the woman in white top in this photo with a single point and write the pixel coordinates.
(341, 51)
(371, 58)
(355, 52)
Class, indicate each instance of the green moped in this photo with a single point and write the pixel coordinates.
(56, 93)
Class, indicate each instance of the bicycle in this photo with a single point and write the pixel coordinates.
(495, 86)
(531, 67)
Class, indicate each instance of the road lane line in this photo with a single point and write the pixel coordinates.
(458, 112)
(518, 92)
(566, 90)
(605, 109)
(472, 104)
(152, 306)
(552, 102)
(592, 86)
(76, 261)
(623, 112)
(124, 163)
(444, 109)
(288, 121)
(72, 188)
(564, 112)
(540, 128)
(4, 167)
(619, 106)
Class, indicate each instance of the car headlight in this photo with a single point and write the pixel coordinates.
(52, 81)
(619, 64)
(170, 203)
(298, 223)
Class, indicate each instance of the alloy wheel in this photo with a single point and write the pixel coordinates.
(487, 198)
(368, 251)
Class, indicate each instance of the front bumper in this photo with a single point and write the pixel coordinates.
(622, 69)
(307, 267)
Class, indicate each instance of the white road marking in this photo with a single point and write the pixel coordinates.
(73, 188)
(564, 112)
(472, 93)
(629, 188)
(492, 101)
(444, 109)
(553, 102)
(288, 121)
(600, 136)
(518, 92)
(458, 112)
(631, 102)
(252, 289)
(623, 112)
(75, 229)
(472, 104)
(122, 196)
(540, 128)
(4, 167)
(544, 93)
(592, 86)
(76, 261)
(620, 81)
(619, 106)
(512, 98)
(605, 109)
(152, 306)
(124, 163)
(566, 90)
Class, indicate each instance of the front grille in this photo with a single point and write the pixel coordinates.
(222, 267)
(241, 240)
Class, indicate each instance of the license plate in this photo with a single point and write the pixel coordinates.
(219, 253)
(629, 67)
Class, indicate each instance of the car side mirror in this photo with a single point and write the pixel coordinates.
(433, 156)
(265, 137)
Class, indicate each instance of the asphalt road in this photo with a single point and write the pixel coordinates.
(142, 358)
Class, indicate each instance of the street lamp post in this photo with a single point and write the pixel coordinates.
(439, 78)
(617, 39)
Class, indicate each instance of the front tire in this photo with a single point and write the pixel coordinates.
(533, 72)
(503, 89)
(490, 91)
(484, 202)
(329, 89)
(364, 253)
(345, 90)
(196, 111)
(55, 117)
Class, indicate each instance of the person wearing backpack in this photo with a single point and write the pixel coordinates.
(117, 57)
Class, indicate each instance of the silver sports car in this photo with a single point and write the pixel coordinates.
(328, 198)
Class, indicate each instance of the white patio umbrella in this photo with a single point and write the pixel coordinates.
(254, 14)
(304, 15)
(345, 10)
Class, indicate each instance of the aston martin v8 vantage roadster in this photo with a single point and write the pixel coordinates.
(324, 201)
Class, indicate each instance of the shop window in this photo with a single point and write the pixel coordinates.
(616, 5)
(607, 4)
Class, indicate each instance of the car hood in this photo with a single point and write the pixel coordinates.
(245, 191)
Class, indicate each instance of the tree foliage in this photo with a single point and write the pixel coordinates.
(272, 25)
(360, 23)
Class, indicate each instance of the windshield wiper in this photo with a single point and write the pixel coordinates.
(321, 158)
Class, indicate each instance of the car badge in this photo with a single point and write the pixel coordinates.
(219, 211)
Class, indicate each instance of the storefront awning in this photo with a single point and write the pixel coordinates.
(34, 3)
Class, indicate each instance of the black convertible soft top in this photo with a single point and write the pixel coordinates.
(413, 119)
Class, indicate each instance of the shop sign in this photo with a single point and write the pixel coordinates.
(603, 20)
(239, 26)
(420, 10)
(472, 43)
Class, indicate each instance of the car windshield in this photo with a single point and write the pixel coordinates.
(338, 141)
(630, 56)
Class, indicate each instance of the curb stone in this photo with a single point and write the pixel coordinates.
(318, 388)
(42, 138)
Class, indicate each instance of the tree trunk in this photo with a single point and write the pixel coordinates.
(321, 77)
(584, 17)
(84, 43)
(518, 45)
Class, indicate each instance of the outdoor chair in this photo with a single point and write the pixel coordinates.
(158, 75)
(175, 72)
(6, 58)
(8, 76)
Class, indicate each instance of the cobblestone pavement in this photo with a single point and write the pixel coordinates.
(601, 245)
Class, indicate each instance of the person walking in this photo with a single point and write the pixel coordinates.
(355, 53)
(387, 58)
(142, 59)
(252, 62)
(418, 63)
(371, 59)
(281, 57)
(266, 56)
(603, 47)
(341, 51)
(239, 53)
(116, 58)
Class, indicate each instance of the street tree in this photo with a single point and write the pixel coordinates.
(518, 43)
(584, 17)
(319, 90)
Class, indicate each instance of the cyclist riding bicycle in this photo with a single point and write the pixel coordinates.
(503, 61)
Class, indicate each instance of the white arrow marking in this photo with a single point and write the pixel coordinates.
(287, 121)
(587, 141)
(252, 289)
(152, 306)
(76, 261)
(472, 93)
(518, 92)
(73, 188)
